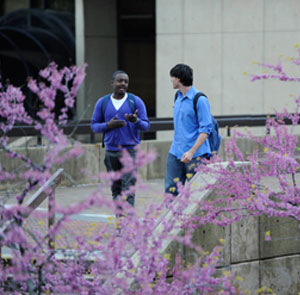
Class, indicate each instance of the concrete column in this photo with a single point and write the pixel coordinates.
(96, 39)
(80, 53)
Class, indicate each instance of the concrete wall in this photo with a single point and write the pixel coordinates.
(257, 263)
(220, 40)
(274, 264)
(81, 170)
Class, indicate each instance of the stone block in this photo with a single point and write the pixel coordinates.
(170, 48)
(247, 276)
(247, 146)
(209, 79)
(202, 16)
(156, 169)
(245, 240)
(101, 149)
(283, 16)
(36, 154)
(277, 94)
(208, 237)
(281, 274)
(83, 169)
(285, 236)
(169, 18)
(239, 50)
(247, 14)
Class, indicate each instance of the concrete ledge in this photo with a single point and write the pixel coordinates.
(81, 170)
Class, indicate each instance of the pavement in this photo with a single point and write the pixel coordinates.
(147, 192)
(93, 219)
(90, 220)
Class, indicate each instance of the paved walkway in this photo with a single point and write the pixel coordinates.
(92, 219)
(147, 192)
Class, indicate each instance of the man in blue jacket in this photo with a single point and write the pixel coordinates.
(190, 144)
(120, 116)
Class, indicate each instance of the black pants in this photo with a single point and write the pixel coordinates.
(112, 163)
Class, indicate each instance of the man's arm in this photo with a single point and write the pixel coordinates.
(97, 124)
(142, 122)
(188, 156)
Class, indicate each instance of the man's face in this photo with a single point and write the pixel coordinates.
(175, 82)
(120, 84)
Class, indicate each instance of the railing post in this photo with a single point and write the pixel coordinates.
(228, 131)
(51, 217)
(92, 137)
(39, 140)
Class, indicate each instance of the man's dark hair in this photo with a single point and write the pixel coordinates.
(184, 73)
(114, 75)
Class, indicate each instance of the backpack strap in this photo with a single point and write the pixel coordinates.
(105, 101)
(106, 98)
(195, 100)
(131, 102)
(196, 97)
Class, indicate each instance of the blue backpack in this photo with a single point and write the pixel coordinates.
(214, 138)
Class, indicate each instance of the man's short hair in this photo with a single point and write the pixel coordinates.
(116, 73)
(184, 73)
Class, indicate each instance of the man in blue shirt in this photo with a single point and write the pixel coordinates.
(190, 143)
(121, 127)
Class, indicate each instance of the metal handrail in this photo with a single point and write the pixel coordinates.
(156, 124)
(35, 201)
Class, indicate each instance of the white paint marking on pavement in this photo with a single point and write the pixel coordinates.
(85, 217)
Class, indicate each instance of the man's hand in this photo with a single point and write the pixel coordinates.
(187, 157)
(115, 123)
(133, 117)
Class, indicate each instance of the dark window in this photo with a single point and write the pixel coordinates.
(31, 38)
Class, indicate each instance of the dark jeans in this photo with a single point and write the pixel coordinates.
(112, 163)
(178, 171)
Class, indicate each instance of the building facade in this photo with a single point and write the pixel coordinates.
(221, 39)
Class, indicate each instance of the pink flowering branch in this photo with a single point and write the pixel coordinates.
(101, 260)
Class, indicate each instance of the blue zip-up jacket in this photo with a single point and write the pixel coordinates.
(120, 138)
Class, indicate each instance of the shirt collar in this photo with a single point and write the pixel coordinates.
(190, 94)
(123, 98)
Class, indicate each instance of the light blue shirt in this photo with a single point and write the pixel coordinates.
(186, 127)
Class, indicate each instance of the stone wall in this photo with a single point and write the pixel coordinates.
(83, 169)
(257, 262)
